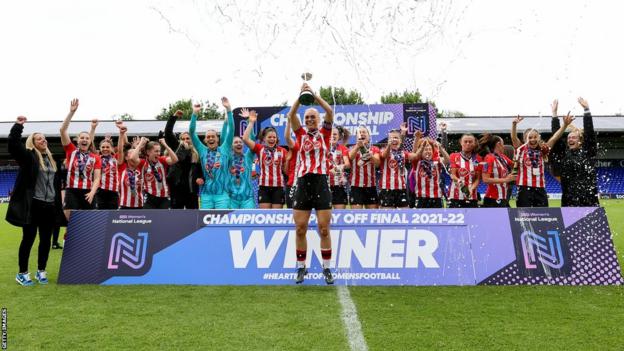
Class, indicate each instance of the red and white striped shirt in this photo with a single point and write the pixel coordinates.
(337, 156)
(292, 164)
(313, 155)
(497, 166)
(363, 173)
(154, 177)
(270, 161)
(80, 167)
(427, 176)
(531, 166)
(129, 180)
(468, 169)
(110, 178)
(393, 170)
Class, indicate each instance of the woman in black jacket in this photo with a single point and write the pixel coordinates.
(576, 163)
(36, 199)
(183, 175)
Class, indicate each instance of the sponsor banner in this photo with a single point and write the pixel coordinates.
(379, 118)
(612, 196)
(370, 247)
(610, 163)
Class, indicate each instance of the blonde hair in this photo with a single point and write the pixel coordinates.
(30, 145)
(194, 153)
(574, 129)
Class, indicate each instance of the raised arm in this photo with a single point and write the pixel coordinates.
(514, 135)
(16, 147)
(444, 155)
(589, 135)
(329, 112)
(169, 135)
(443, 135)
(567, 120)
(172, 158)
(287, 136)
(119, 124)
(201, 148)
(121, 143)
(94, 124)
(295, 124)
(136, 152)
(65, 140)
(557, 151)
(227, 131)
(250, 126)
(417, 136)
(418, 151)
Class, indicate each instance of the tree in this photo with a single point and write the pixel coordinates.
(209, 110)
(414, 97)
(340, 96)
(126, 117)
(407, 97)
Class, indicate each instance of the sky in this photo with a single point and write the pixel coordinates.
(477, 57)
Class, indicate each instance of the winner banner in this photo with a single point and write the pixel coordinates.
(568, 246)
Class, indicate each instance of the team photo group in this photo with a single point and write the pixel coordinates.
(309, 167)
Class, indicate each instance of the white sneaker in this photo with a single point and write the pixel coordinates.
(42, 277)
(23, 279)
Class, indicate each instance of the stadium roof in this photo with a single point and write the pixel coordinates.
(477, 124)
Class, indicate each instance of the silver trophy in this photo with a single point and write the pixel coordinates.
(306, 97)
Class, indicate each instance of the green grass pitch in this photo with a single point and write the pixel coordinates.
(57, 317)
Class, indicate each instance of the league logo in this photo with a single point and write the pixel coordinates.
(546, 251)
(415, 123)
(242, 127)
(127, 250)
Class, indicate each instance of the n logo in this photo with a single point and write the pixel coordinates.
(416, 123)
(545, 250)
(127, 250)
(242, 127)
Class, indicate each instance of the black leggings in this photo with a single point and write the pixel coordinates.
(42, 214)
(55, 234)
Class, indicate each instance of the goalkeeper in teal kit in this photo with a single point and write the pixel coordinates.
(215, 159)
(241, 165)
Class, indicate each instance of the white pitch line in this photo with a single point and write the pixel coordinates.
(351, 321)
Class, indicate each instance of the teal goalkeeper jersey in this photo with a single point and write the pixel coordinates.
(241, 166)
(215, 162)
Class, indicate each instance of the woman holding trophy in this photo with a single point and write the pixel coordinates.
(312, 184)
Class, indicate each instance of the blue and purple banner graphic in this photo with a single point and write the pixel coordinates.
(569, 246)
(379, 118)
